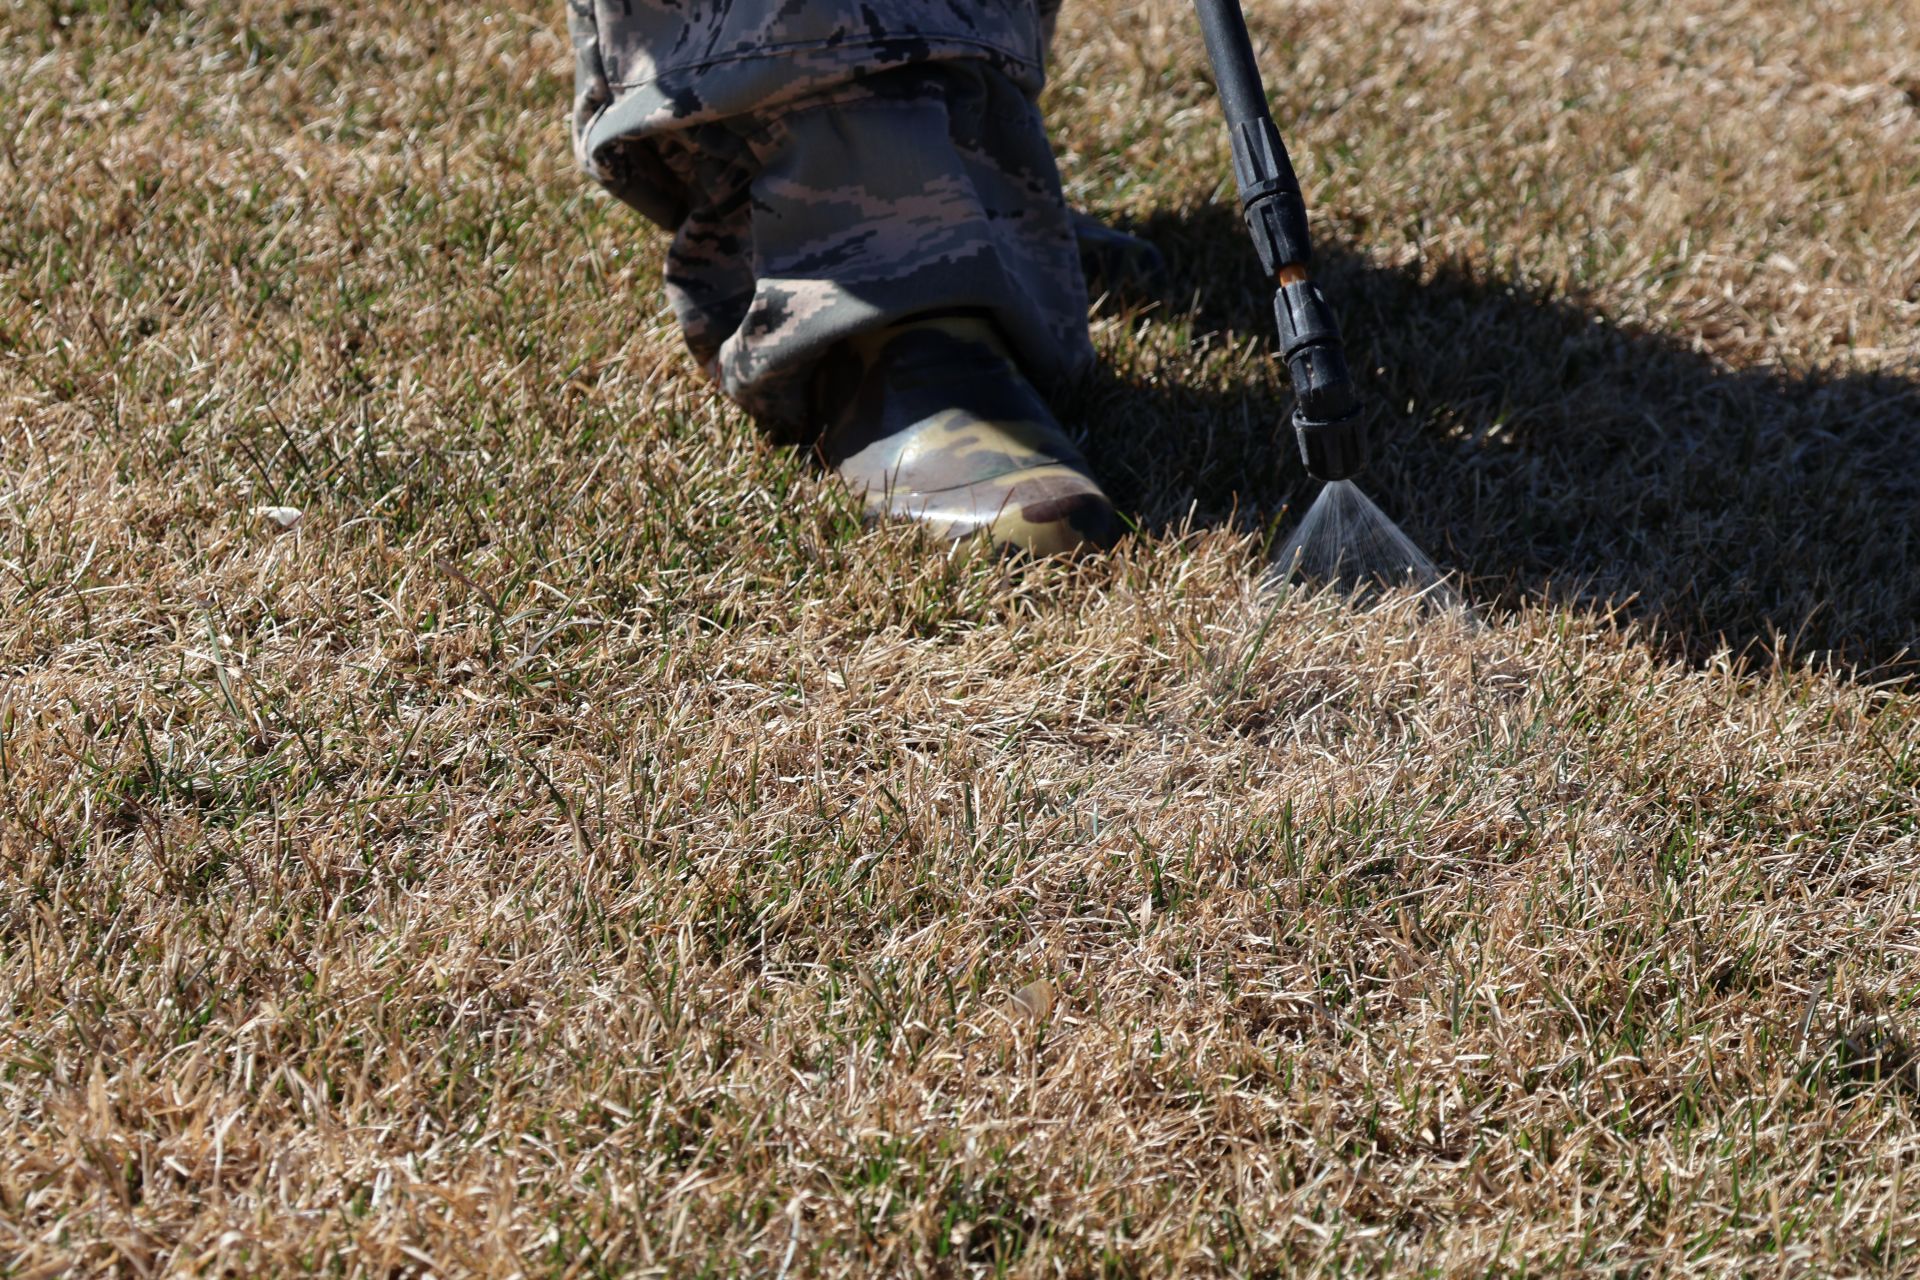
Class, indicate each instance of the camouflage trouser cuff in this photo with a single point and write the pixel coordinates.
(921, 188)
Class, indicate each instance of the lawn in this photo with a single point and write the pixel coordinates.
(469, 805)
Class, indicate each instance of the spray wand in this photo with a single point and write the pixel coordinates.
(1326, 417)
(1344, 538)
(1327, 421)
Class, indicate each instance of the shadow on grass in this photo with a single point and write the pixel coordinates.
(1543, 451)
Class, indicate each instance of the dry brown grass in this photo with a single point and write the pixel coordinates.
(577, 847)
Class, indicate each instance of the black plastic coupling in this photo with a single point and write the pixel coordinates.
(1305, 320)
(1333, 450)
(1270, 196)
(1326, 417)
(1310, 342)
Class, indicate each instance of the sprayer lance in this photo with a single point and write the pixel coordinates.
(1326, 415)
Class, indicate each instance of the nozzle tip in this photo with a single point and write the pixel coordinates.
(1334, 450)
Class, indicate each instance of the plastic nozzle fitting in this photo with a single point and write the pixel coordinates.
(1327, 418)
(1270, 195)
(1332, 450)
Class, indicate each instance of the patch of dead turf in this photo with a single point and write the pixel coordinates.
(575, 846)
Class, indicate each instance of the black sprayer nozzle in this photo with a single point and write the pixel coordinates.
(1332, 450)
(1310, 344)
(1327, 418)
(1333, 438)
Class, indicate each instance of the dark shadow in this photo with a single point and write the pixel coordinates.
(1543, 451)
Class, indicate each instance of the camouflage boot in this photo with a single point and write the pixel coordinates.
(931, 419)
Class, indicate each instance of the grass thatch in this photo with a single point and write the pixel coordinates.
(574, 846)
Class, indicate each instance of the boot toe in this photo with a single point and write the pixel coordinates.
(1060, 525)
(1042, 510)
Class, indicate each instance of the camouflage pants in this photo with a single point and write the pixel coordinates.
(828, 168)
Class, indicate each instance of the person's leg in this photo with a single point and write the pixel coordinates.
(891, 224)
(918, 190)
(913, 277)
